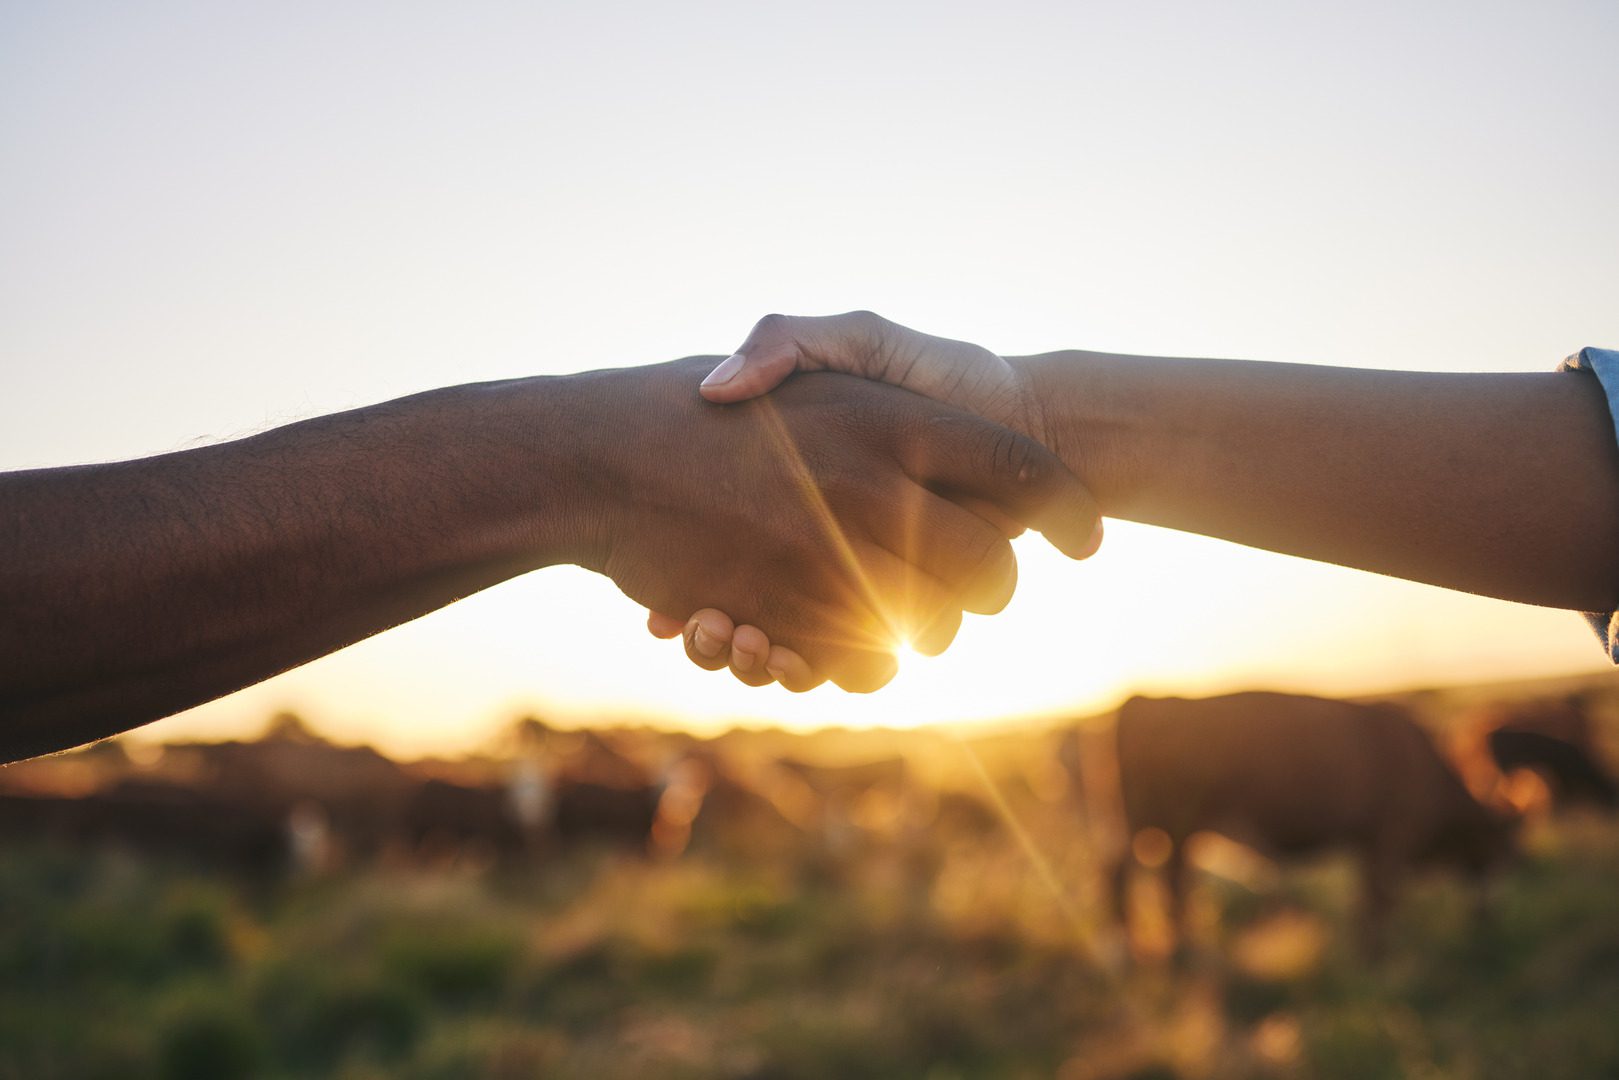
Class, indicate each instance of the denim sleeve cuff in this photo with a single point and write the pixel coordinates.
(1604, 365)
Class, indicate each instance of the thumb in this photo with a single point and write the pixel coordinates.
(779, 345)
(741, 376)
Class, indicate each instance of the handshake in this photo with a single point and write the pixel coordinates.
(837, 488)
(807, 525)
(848, 486)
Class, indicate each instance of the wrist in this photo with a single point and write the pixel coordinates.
(532, 451)
(600, 446)
(1086, 412)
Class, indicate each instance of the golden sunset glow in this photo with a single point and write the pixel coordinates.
(1152, 612)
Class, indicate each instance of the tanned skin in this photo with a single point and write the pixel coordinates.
(1506, 485)
(132, 590)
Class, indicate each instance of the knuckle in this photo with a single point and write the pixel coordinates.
(1018, 460)
(865, 321)
(870, 333)
(772, 325)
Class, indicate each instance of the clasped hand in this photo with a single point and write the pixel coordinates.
(842, 516)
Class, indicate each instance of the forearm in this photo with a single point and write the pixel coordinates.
(1506, 485)
(133, 590)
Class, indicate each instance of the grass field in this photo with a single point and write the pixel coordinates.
(964, 958)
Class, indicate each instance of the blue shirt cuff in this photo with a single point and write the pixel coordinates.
(1604, 364)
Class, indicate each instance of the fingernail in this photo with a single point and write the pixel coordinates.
(725, 372)
(743, 661)
(706, 643)
(777, 673)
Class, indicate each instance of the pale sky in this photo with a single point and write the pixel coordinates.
(217, 218)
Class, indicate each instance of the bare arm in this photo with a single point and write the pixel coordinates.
(1501, 484)
(138, 588)
(129, 591)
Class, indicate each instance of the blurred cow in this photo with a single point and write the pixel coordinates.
(566, 788)
(1553, 740)
(336, 803)
(290, 799)
(441, 820)
(152, 819)
(1292, 776)
(605, 813)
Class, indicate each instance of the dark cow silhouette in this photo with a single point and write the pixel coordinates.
(1554, 740)
(441, 819)
(604, 813)
(1292, 776)
(292, 775)
(165, 820)
(237, 804)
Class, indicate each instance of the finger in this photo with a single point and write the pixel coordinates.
(851, 644)
(868, 675)
(902, 600)
(792, 671)
(936, 637)
(778, 345)
(663, 626)
(848, 633)
(994, 515)
(867, 345)
(750, 649)
(846, 643)
(959, 548)
(956, 453)
(708, 639)
(849, 637)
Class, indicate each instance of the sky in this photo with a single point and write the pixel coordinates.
(219, 218)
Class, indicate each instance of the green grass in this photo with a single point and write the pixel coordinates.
(615, 967)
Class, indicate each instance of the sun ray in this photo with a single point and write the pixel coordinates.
(1042, 866)
(815, 499)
